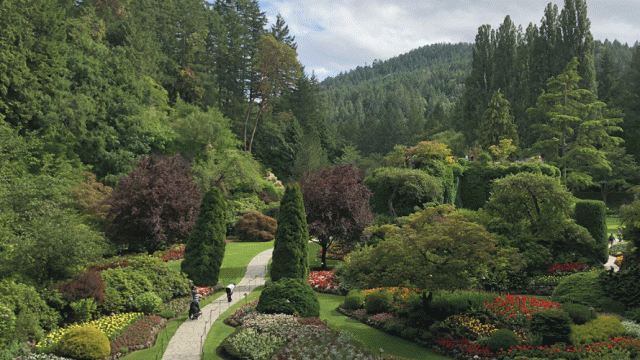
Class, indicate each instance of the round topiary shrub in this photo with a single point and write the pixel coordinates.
(85, 342)
(254, 226)
(378, 302)
(552, 326)
(147, 302)
(580, 288)
(287, 296)
(354, 300)
(503, 339)
(579, 314)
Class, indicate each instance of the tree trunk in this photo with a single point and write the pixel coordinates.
(246, 123)
(325, 246)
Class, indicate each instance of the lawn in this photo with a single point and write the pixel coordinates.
(314, 260)
(613, 223)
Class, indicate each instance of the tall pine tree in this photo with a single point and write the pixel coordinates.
(497, 123)
(204, 252)
(292, 237)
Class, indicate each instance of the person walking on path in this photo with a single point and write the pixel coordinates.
(230, 291)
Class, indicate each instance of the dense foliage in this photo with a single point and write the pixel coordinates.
(204, 252)
(292, 237)
(289, 296)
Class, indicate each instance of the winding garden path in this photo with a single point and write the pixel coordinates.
(186, 343)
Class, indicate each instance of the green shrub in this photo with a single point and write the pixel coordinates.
(623, 286)
(254, 226)
(578, 313)
(592, 214)
(580, 288)
(7, 323)
(147, 302)
(503, 339)
(13, 350)
(552, 326)
(354, 300)
(448, 303)
(600, 329)
(378, 302)
(167, 314)
(85, 342)
(288, 296)
(24, 299)
(395, 328)
(609, 305)
(633, 314)
(410, 333)
(204, 252)
(84, 309)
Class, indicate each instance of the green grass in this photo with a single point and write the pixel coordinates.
(613, 223)
(236, 258)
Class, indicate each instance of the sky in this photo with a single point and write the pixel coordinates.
(336, 36)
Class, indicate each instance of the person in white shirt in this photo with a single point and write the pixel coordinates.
(230, 291)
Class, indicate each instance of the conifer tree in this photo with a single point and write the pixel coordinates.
(204, 252)
(497, 123)
(292, 236)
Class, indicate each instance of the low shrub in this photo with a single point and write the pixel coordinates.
(503, 339)
(354, 300)
(85, 342)
(411, 333)
(147, 302)
(247, 343)
(609, 305)
(578, 313)
(254, 226)
(448, 303)
(552, 326)
(13, 350)
(288, 296)
(633, 314)
(167, 314)
(84, 309)
(28, 307)
(581, 288)
(601, 329)
(7, 324)
(378, 302)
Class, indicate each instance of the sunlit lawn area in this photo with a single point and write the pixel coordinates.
(613, 223)
(314, 260)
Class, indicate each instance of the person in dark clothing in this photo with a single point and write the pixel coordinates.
(194, 309)
(230, 291)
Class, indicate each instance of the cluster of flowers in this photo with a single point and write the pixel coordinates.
(176, 253)
(619, 260)
(112, 326)
(381, 320)
(627, 344)
(517, 309)
(397, 292)
(324, 281)
(472, 325)
(468, 349)
(139, 335)
(238, 316)
(204, 291)
(556, 269)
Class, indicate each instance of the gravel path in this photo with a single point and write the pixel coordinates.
(186, 343)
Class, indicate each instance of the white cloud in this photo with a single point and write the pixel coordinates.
(338, 35)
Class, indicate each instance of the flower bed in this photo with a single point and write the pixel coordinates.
(516, 309)
(112, 326)
(175, 253)
(140, 335)
(461, 348)
(324, 282)
(626, 344)
(239, 315)
(569, 268)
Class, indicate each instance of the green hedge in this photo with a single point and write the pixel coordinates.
(475, 184)
(592, 214)
(581, 288)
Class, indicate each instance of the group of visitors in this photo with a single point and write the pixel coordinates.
(194, 309)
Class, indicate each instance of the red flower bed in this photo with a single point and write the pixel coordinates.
(556, 269)
(140, 335)
(517, 309)
(324, 281)
(452, 346)
(173, 254)
(204, 291)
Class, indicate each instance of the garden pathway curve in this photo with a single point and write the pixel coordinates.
(186, 343)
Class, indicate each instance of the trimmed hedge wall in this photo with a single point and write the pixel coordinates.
(475, 185)
(592, 215)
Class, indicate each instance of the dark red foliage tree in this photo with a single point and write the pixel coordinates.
(82, 286)
(337, 205)
(155, 205)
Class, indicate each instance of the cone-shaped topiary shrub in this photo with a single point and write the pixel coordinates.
(205, 249)
(287, 296)
(292, 236)
(354, 300)
(85, 342)
(378, 302)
